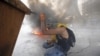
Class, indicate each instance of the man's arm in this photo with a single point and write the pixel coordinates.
(50, 31)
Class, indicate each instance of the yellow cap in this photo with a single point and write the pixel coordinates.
(60, 25)
(53, 37)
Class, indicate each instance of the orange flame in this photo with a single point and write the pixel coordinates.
(37, 33)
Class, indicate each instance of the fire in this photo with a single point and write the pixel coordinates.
(37, 33)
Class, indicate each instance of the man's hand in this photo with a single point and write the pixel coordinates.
(50, 31)
(42, 16)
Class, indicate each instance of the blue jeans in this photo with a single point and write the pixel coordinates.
(53, 50)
